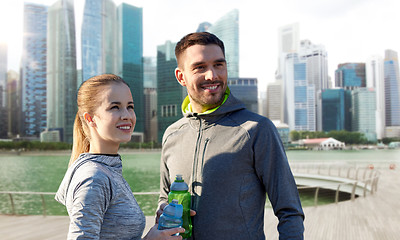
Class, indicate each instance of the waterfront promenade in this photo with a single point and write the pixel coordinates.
(375, 217)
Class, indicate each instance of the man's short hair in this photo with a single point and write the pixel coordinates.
(197, 38)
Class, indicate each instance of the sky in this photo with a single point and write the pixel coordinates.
(350, 31)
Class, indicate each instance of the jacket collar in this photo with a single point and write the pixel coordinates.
(230, 104)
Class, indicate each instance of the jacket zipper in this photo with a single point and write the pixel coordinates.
(195, 166)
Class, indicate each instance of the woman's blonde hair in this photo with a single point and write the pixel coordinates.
(87, 101)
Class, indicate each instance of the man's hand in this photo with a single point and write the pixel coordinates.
(160, 211)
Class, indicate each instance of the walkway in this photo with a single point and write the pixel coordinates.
(376, 217)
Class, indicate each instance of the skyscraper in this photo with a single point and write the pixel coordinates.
(170, 93)
(246, 90)
(300, 95)
(61, 68)
(274, 101)
(392, 88)
(150, 96)
(316, 73)
(227, 29)
(33, 70)
(375, 79)
(3, 90)
(288, 42)
(288, 45)
(14, 104)
(130, 32)
(99, 38)
(333, 109)
(150, 72)
(350, 75)
(363, 114)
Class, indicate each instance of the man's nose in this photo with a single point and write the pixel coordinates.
(211, 74)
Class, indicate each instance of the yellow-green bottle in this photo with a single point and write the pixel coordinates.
(179, 191)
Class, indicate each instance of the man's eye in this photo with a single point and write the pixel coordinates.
(199, 68)
(130, 107)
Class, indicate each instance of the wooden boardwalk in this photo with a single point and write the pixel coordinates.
(375, 217)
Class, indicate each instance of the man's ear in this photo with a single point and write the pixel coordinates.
(179, 76)
(89, 120)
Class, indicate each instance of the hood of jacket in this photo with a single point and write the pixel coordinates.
(111, 161)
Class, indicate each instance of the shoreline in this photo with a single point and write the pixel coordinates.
(68, 152)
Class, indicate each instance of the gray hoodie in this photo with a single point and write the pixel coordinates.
(231, 159)
(99, 201)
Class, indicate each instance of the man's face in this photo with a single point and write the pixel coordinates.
(203, 71)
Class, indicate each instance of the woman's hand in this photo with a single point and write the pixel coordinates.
(161, 209)
(155, 234)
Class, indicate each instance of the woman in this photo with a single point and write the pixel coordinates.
(99, 201)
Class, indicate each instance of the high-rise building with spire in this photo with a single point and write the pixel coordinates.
(33, 70)
(61, 69)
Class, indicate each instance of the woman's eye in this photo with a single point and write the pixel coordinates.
(114, 107)
(130, 107)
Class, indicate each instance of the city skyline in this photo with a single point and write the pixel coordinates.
(350, 31)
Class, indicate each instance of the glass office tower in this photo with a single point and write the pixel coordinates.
(33, 70)
(170, 93)
(246, 90)
(363, 114)
(130, 20)
(392, 88)
(61, 69)
(227, 29)
(99, 38)
(333, 109)
(3, 90)
(350, 75)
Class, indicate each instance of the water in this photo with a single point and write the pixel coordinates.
(44, 172)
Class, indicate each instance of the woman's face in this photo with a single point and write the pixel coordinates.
(114, 120)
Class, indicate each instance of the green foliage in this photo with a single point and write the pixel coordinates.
(342, 135)
(389, 140)
(35, 145)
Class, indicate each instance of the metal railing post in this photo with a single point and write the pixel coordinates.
(316, 196)
(337, 194)
(12, 204)
(353, 191)
(43, 205)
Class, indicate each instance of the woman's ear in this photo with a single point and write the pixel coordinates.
(89, 120)
(179, 76)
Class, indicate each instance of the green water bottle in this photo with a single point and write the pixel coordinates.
(179, 191)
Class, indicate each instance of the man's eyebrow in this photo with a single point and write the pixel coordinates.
(195, 64)
(219, 60)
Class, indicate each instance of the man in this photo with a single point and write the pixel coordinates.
(230, 157)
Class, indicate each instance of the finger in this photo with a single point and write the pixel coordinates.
(192, 212)
(173, 231)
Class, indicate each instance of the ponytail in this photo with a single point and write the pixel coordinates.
(81, 142)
